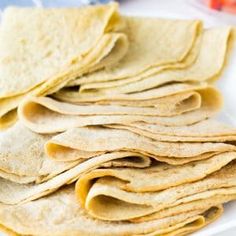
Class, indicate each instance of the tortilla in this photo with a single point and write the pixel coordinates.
(86, 37)
(110, 53)
(205, 131)
(108, 200)
(186, 207)
(71, 219)
(141, 163)
(14, 193)
(8, 119)
(210, 216)
(36, 16)
(36, 110)
(170, 42)
(68, 145)
(72, 95)
(34, 104)
(156, 177)
(215, 43)
(45, 115)
(22, 156)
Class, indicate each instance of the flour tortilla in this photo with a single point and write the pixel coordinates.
(8, 119)
(157, 176)
(169, 41)
(43, 111)
(110, 50)
(210, 216)
(215, 43)
(188, 98)
(72, 95)
(45, 115)
(92, 46)
(186, 207)
(74, 220)
(14, 193)
(33, 104)
(8, 115)
(117, 47)
(105, 18)
(107, 199)
(151, 179)
(211, 104)
(205, 131)
(22, 156)
(21, 179)
(68, 145)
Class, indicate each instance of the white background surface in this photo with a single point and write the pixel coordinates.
(226, 225)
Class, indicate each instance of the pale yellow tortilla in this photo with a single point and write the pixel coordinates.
(43, 27)
(62, 207)
(32, 105)
(110, 50)
(186, 207)
(214, 47)
(8, 119)
(210, 216)
(107, 200)
(176, 101)
(14, 193)
(72, 95)
(42, 111)
(154, 43)
(45, 115)
(205, 131)
(69, 145)
(22, 179)
(86, 41)
(157, 176)
(22, 156)
(28, 174)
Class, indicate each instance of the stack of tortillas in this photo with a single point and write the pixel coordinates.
(109, 124)
(41, 50)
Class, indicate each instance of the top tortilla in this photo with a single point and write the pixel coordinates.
(169, 41)
(214, 47)
(54, 47)
(49, 56)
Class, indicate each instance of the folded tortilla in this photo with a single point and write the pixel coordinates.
(186, 207)
(70, 219)
(72, 95)
(74, 143)
(209, 130)
(157, 176)
(124, 163)
(150, 165)
(170, 42)
(214, 47)
(87, 40)
(107, 198)
(22, 157)
(46, 115)
(13, 192)
(181, 105)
